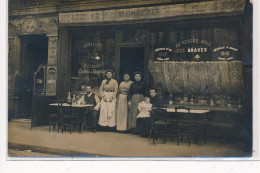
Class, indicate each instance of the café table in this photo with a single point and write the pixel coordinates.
(185, 118)
(78, 109)
(221, 118)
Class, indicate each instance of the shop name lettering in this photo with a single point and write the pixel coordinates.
(137, 13)
(225, 53)
(192, 49)
(92, 44)
(163, 49)
(225, 47)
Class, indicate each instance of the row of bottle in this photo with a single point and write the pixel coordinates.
(71, 99)
(211, 100)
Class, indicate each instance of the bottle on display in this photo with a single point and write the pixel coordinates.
(191, 100)
(69, 97)
(74, 99)
(228, 101)
(211, 101)
(170, 100)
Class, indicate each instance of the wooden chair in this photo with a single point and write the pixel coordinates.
(76, 119)
(183, 126)
(54, 115)
(66, 118)
(164, 127)
(190, 127)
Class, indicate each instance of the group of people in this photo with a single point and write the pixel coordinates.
(125, 108)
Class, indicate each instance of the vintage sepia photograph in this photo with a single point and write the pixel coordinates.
(149, 79)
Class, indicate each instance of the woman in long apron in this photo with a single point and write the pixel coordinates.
(108, 92)
(122, 107)
(136, 93)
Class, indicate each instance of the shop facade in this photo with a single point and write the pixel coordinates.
(199, 49)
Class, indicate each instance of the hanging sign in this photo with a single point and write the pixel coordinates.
(225, 53)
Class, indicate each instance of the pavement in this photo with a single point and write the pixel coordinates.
(107, 144)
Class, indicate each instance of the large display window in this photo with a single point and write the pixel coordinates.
(93, 52)
(202, 60)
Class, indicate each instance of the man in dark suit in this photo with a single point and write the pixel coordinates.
(92, 112)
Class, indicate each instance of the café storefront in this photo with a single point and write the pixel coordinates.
(175, 48)
(198, 51)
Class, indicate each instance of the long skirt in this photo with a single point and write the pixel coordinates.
(133, 112)
(107, 115)
(121, 113)
(143, 126)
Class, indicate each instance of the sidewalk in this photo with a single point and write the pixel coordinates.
(88, 144)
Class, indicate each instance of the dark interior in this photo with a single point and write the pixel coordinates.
(34, 52)
(131, 59)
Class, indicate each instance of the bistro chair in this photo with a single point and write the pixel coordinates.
(164, 127)
(190, 126)
(66, 118)
(76, 118)
(183, 126)
(54, 115)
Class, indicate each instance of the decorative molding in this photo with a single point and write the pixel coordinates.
(34, 25)
(31, 24)
(13, 29)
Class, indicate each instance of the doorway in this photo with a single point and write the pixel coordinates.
(131, 60)
(34, 52)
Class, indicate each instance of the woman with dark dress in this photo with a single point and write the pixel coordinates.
(136, 95)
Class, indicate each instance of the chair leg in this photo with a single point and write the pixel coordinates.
(150, 134)
(204, 138)
(49, 125)
(154, 136)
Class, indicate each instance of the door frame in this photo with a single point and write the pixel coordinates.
(120, 45)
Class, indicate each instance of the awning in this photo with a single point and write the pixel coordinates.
(146, 14)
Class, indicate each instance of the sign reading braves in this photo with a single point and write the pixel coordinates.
(192, 50)
(225, 53)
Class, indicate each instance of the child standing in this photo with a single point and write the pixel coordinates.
(143, 118)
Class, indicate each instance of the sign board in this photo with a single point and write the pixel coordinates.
(155, 12)
(52, 50)
(193, 50)
(51, 78)
(163, 54)
(225, 53)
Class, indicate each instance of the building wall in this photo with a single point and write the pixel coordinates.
(56, 18)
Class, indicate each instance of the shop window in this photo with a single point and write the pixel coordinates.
(93, 52)
(195, 44)
(134, 36)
